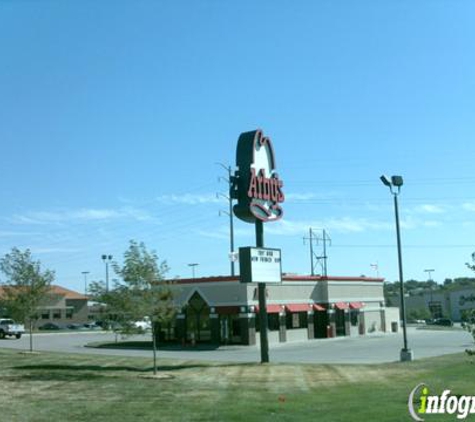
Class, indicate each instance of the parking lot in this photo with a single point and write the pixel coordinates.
(369, 349)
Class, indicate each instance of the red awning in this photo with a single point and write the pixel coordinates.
(318, 307)
(341, 305)
(271, 309)
(297, 307)
(356, 305)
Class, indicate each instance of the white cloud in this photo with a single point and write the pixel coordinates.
(222, 233)
(7, 233)
(342, 225)
(190, 199)
(54, 250)
(410, 223)
(469, 206)
(211, 198)
(83, 214)
(431, 223)
(300, 196)
(430, 209)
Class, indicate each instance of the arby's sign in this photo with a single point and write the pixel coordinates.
(256, 184)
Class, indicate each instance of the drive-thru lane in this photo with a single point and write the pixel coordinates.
(369, 349)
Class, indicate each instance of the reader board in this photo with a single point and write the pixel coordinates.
(260, 265)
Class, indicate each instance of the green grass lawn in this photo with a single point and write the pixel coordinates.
(60, 387)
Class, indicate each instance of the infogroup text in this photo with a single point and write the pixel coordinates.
(421, 403)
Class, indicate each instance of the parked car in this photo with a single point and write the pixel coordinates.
(417, 321)
(8, 327)
(145, 324)
(446, 322)
(49, 326)
(91, 326)
(74, 326)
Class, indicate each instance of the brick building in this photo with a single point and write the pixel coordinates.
(223, 310)
(61, 306)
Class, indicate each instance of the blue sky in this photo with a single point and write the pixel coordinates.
(114, 113)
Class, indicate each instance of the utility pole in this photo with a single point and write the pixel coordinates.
(311, 251)
(310, 238)
(314, 258)
(324, 256)
(229, 213)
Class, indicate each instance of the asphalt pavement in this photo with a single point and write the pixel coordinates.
(376, 348)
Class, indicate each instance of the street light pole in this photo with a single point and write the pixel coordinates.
(430, 271)
(107, 259)
(397, 182)
(401, 277)
(193, 269)
(85, 273)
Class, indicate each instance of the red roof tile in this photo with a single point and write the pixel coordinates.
(58, 290)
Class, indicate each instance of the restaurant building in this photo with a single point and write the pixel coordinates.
(224, 310)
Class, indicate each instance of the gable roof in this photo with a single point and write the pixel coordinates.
(58, 290)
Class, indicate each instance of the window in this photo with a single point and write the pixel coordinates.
(354, 317)
(273, 322)
(296, 320)
(236, 325)
(170, 333)
(69, 313)
(56, 313)
(44, 314)
(435, 309)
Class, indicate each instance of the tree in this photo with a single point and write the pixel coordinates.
(468, 323)
(448, 282)
(419, 314)
(143, 293)
(25, 286)
(116, 309)
(472, 265)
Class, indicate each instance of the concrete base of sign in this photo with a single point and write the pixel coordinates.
(406, 355)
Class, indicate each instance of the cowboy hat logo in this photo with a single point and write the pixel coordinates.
(256, 184)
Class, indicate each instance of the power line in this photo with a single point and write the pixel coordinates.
(405, 246)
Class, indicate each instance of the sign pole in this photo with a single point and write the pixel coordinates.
(258, 189)
(261, 288)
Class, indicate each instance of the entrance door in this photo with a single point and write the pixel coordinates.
(230, 326)
(321, 324)
(197, 319)
(340, 322)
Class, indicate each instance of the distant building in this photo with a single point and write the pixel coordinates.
(223, 310)
(440, 303)
(61, 306)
